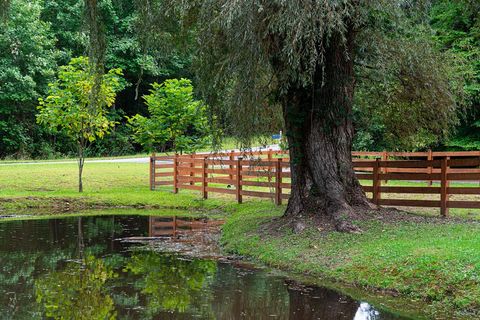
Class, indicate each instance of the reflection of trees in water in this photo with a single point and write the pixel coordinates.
(103, 227)
(16, 272)
(77, 291)
(247, 294)
(43, 248)
(172, 284)
(164, 286)
(319, 303)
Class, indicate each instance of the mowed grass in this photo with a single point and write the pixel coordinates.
(62, 178)
(109, 184)
(24, 187)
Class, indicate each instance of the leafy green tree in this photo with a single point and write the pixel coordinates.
(27, 64)
(66, 25)
(68, 108)
(457, 32)
(177, 121)
(137, 37)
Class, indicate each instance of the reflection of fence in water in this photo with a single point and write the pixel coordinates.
(175, 226)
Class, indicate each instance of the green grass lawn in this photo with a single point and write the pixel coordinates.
(54, 187)
(436, 263)
(105, 184)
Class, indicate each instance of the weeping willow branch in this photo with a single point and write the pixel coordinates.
(4, 6)
(96, 48)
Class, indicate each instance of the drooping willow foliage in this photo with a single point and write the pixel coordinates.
(96, 48)
(4, 5)
(159, 33)
(251, 52)
(411, 89)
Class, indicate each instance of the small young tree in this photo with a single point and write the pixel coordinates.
(72, 108)
(177, 121)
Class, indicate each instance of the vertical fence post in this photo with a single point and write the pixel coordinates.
(192, 165)
(430, 168)
(269, 159)
(385, 158)
(175, 173)
(278, 182)
(152, 172)
(231, 157)
(444, 187)
(204, 178)
(377, 183)
(239, 179)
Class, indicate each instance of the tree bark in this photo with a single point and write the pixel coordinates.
(319, 129)
(81, 162)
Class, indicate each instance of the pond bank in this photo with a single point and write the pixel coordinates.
(64, 206)
(162, 266)
(425, 261)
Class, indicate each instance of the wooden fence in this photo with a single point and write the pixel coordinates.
(161, 167)
(425, 155)
(267, 175)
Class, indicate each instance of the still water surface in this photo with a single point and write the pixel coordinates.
(137, 267)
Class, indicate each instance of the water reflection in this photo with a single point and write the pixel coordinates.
(77, 291)
(366, 312)
(110, 268)
(323, 303)
(171, 284)
(178, 226)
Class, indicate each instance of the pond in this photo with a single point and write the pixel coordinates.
(139, 267)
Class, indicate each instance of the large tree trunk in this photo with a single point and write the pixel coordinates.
(319, 130)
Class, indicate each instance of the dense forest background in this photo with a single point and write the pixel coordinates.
(38, 36)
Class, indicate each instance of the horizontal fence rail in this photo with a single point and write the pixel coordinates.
(266, 174)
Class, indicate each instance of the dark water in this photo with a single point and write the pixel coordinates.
(120, 267)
